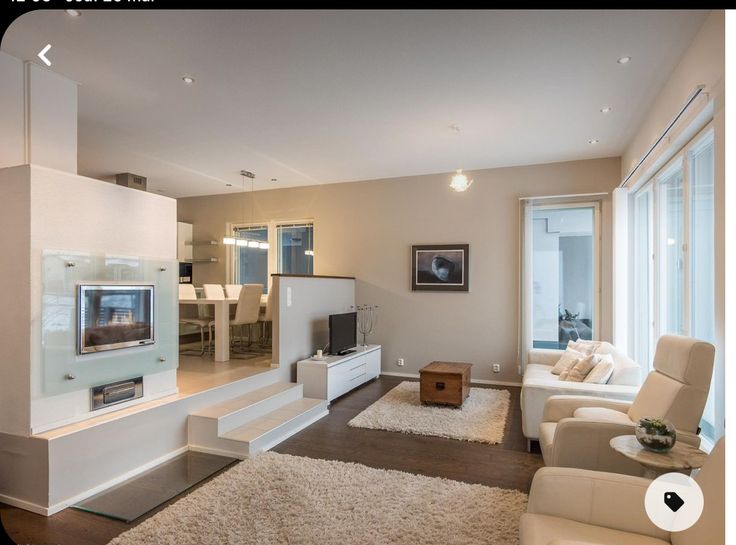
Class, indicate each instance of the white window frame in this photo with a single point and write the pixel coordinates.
(681, 158)
(271, 225)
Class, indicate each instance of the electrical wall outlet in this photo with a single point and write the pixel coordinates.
(400, 362)
(496, 368)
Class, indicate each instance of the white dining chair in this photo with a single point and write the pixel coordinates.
(232, 291)
(265, 319)
(247, 309)
(215, 292)
(187, 292)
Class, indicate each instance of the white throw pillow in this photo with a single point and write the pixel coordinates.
(601, 373)
(580, 370)
(567, 360)
(584, 347)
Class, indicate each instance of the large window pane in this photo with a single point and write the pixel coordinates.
(251, 263)
(563, 284)
(643, 265)
(295, 249)
(671, 263)
(702, 259)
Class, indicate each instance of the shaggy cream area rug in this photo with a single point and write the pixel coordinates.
(283, 499)
(482, 418)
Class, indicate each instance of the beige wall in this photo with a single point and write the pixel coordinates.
(366, 229)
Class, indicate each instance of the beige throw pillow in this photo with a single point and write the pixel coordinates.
(602, 371)
(580, 370)
(567, 360)
(584, 347)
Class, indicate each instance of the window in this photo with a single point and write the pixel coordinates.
(678, 204)
(289, 249)
(564, 283)
(251, 262)
(671, 246)
(295, 248)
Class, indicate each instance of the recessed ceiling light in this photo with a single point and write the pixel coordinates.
(188, 80)
(623, 60)
(605, 109)
(593, 141)
(73, 12)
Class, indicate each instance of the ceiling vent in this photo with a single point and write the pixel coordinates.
(131, 180)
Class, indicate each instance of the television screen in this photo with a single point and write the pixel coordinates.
(343, 332)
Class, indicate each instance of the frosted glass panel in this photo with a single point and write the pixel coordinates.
(63, 273)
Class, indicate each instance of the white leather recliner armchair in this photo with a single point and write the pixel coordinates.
(576, 506)
(576, 430)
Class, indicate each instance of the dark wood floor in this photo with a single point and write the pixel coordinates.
(507, 465)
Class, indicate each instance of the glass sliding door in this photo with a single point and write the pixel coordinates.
(564, 274)
(671, 245)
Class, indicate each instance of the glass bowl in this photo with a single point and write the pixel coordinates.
(655, 434)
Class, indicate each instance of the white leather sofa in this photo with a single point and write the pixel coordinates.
(582, 507)
(539, 384)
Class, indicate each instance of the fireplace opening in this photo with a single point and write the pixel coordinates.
(114, 316)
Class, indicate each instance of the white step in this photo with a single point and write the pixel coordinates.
(240, 410)
(271, 429)
(253, 422)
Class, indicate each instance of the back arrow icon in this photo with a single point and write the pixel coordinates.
(42, 55)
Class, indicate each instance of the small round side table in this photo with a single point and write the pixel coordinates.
(681, 457)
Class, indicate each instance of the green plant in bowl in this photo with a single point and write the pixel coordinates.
(655, 434)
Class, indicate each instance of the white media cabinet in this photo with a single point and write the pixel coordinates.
(336, 375)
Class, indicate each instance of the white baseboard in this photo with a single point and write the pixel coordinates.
(218, 452)
(26, 505)
(55, 508)
(475, 380)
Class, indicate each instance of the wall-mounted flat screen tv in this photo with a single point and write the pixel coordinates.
(114, 316)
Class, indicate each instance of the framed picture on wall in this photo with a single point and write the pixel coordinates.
(440, 267)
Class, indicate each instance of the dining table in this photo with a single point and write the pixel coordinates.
(222, 321)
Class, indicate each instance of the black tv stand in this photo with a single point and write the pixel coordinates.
(346, 352)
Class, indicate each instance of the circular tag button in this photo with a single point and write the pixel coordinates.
(674, 502)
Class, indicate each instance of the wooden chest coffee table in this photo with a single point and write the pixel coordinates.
(444, 383)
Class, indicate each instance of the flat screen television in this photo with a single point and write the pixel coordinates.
(343, 332)
(114, 316)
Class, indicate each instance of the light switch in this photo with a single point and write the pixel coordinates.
(288, 296)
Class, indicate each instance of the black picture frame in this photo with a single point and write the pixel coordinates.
(440, 267)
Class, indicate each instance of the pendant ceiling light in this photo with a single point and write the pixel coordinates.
(459, 182)
(238, 237)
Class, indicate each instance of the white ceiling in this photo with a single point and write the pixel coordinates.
(321, 97)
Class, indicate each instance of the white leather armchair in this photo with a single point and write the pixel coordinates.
(576, 430)
(608, 508)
